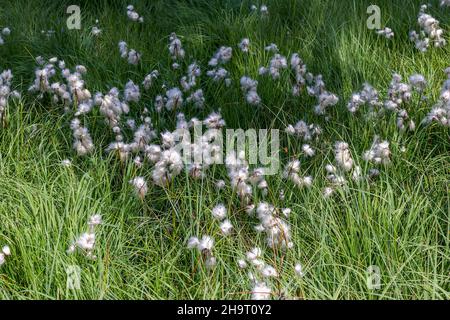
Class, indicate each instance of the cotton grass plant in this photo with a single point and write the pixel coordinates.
(363, 180)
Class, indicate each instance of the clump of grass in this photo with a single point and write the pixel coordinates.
(313, 247)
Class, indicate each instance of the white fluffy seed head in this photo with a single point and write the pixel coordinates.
(226, 227)
(140, 186)
(299, 270)
(6, 250)
(219, 212)
(261, 291)
(193, 242)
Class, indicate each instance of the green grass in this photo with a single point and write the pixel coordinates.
(399, 223)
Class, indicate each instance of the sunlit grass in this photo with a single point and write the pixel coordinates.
(399, 223)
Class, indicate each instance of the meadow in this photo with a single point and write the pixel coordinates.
(90, 181)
